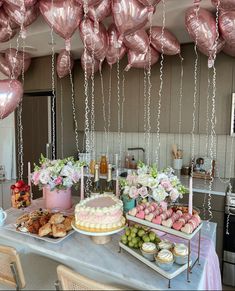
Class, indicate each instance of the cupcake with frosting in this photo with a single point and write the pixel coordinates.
(165, 245)
(165, 259)
(149, 250)
(180, 253)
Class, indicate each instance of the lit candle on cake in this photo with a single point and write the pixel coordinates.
(117, 183)
(82, 183)
(190, 200)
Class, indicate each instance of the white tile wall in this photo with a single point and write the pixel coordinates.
(225, 150)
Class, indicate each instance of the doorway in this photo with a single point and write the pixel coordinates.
(37, 131)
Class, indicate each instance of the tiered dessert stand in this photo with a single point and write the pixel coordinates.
(175, 270)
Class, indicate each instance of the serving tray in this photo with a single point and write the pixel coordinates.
(12, 227)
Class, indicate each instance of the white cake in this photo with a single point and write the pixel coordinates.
(99, 213)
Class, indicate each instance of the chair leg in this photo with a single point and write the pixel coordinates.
(15, 275)
(57, 285)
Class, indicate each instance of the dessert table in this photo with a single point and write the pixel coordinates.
(104, 263)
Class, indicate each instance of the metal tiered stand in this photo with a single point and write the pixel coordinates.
(176, 270)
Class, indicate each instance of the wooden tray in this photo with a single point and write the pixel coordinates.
(164, 228)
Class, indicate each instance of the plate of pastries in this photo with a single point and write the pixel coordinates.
(46, 225)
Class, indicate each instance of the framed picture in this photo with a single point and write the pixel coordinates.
(202, 168)
(232, 132)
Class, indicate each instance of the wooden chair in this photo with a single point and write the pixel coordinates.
(70, 280)
(11, 272)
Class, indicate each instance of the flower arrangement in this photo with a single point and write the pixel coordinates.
(57, 174)
(149, 182)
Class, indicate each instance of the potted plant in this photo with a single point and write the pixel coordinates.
(162, 186)
(56, 177)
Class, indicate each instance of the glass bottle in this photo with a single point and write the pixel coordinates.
(109, 183)
(103, 165)
(92, 166)
(96, 181)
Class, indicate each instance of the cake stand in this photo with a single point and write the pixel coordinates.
(99, 238)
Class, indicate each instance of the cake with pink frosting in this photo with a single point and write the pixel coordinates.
(99, 213)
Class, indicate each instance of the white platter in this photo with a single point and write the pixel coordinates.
(96, 233)
(175, 271)
(12, 227)
(164, 228)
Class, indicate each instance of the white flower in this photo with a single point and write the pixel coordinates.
(133, 193)
(161, 176)
(143, 179)
(142, 170)
(174, 194)
(159, 194)
(67, 182)
(152, 182)
(126, 190)
(44, 177)
(67, 171)
(174, 181)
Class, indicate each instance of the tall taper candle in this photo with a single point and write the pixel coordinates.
(117, 183)
(29, 175)
(82, 183)
(190, 199)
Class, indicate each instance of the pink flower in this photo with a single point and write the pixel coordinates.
(174, 194)
(58, 181)
(143, 192)
(163, 204)
(133, 193)
(131, 179)
(166, 184)
(35, 178)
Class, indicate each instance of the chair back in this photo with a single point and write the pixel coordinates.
(70, 280)
(11, 272)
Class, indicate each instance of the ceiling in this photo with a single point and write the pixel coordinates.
(38, 41)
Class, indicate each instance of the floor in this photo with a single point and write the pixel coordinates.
(228, 288)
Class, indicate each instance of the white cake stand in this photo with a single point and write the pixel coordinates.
(99, 238)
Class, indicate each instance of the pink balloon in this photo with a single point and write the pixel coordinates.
(229, 49)
(65, 63)
(11, 92)
(215, 49)
(224, 4)
(97, 41)
(227, 26)
(141, 60)
(100, 11)
(20, 3)
(115, 50)
(65, 16)
(86, 61)
(129, 15)
(171, 45)
(1, 3)
(15, 61)
(89, 2)
(150, 2)
(19, 16)
(204, 27)
(6, 32)
(137, 41)
(4, 68)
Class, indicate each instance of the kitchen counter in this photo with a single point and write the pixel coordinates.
(202, 186)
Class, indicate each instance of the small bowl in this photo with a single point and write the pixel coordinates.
(149, 255)
(180, 260)
(166, 266)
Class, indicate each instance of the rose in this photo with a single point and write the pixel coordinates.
(166, 184)
(174, 194)
(58, 180)
(35, 177)
(159, 194)
(131, 179)
(143, 192)
(133, 193)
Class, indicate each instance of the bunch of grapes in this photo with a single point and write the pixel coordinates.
(136, 235)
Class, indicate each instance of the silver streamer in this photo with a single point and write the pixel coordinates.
(161, 83)
(145, 109)
(180, 99)
(119, 108)
(109, 109)
(104, 111)
(122, 107)
(62, 119)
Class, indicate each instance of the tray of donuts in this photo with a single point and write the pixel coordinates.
(44, 224)
(174, 220)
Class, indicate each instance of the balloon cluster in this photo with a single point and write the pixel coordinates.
(201, 24)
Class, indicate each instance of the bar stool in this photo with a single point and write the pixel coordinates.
(70, 280)
(27, 271)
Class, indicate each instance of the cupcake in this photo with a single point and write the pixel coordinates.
(180, 253)
(149, 250)
(165, 245)
(165, 259)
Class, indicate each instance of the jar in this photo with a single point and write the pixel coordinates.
(20, 197)
(103, 165)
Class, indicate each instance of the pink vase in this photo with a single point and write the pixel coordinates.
(59, 199)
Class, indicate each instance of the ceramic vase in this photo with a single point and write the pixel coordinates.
(57, 199)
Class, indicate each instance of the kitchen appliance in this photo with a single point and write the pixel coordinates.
(229, 238)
